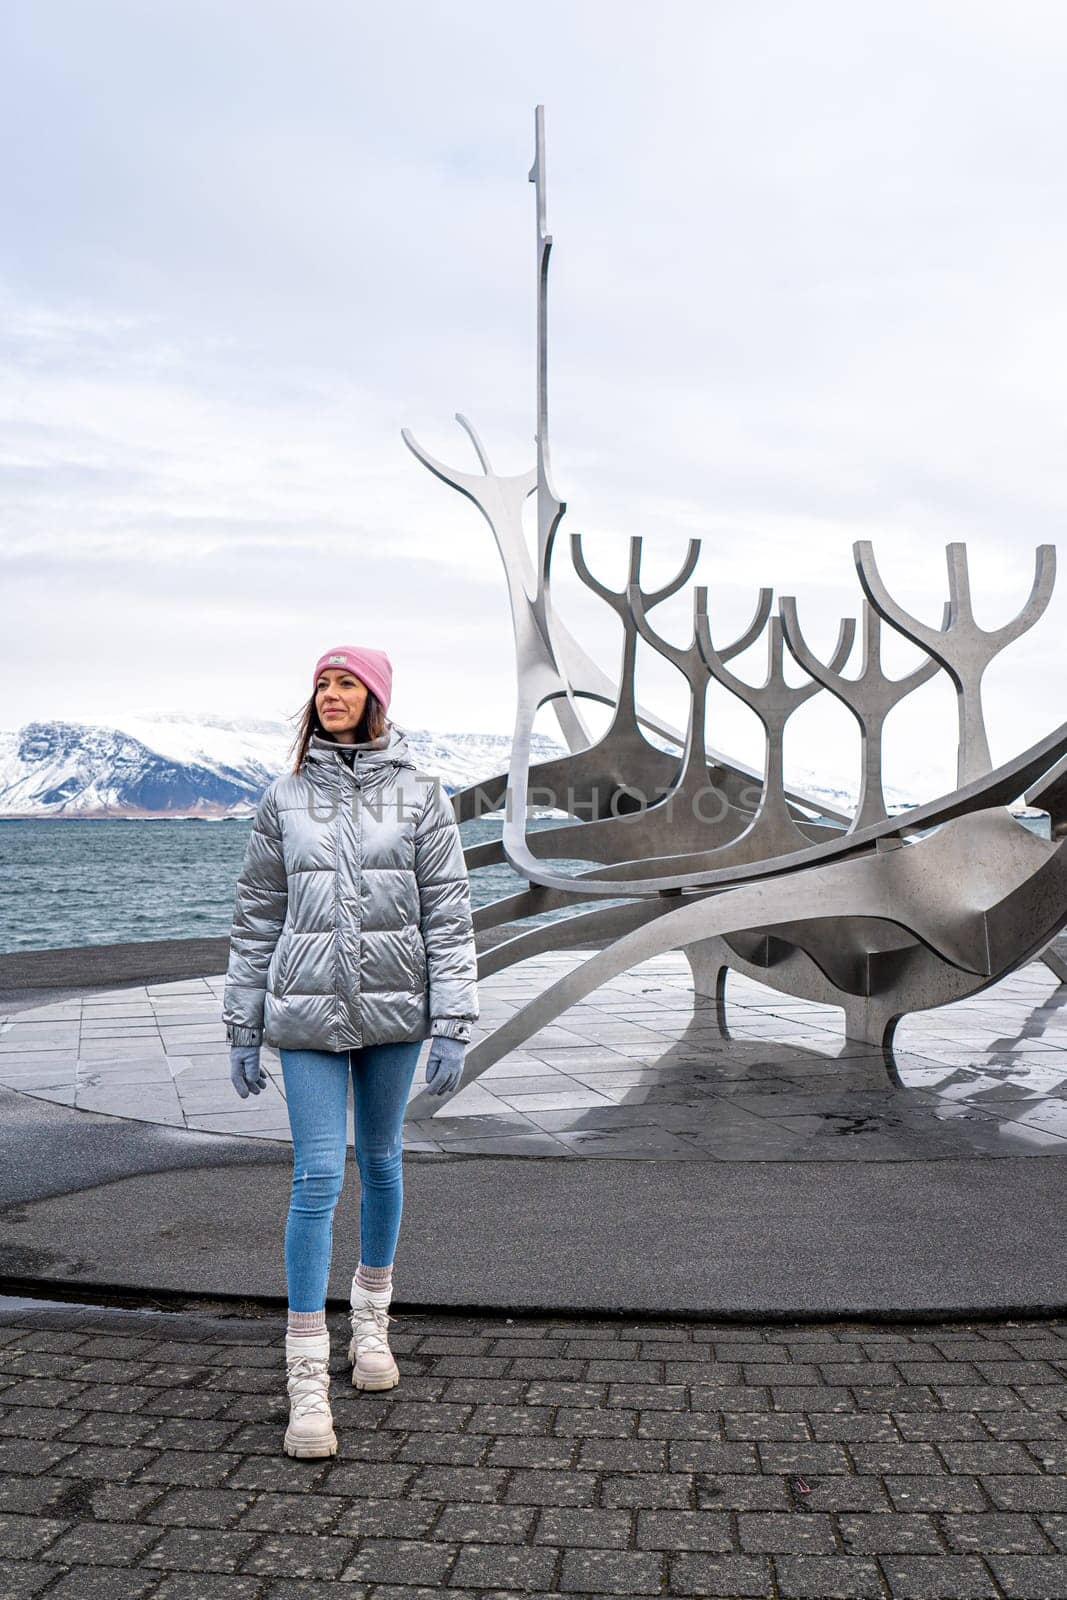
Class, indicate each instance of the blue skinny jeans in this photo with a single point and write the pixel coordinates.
(316, 1093)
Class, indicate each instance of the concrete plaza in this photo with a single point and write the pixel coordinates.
(643, 1069)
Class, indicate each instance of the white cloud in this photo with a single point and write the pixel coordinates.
(806, 288)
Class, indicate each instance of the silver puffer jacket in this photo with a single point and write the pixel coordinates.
(352, 922)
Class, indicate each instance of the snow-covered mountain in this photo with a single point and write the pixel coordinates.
(838, 795)
(147, 763)
(156, 762)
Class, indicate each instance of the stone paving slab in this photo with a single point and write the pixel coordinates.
(140, 1456)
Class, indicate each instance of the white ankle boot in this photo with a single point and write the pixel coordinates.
(373, 1366)
(307, 1375)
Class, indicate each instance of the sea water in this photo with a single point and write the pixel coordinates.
(67, 882)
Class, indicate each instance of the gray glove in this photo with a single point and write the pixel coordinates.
(245, 1071)
(444, 1065)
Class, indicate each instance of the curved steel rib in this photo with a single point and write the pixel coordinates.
(870, 697)
(961, 646)
(997, 788)
(914, 887)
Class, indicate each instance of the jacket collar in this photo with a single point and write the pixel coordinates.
(367, 759)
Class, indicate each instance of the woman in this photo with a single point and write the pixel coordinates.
(352, 941)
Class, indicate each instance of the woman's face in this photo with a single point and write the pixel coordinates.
(339, 700)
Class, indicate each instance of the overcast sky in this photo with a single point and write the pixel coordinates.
(807, 287)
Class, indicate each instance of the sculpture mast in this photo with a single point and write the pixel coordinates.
(550, 507)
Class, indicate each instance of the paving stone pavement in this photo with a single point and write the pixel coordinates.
(140, 1459)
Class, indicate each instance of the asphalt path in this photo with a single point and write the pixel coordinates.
(101, 1203)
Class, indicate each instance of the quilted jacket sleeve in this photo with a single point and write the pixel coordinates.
(259, 912)
(445, 913)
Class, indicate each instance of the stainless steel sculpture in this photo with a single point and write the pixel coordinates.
(697, 852)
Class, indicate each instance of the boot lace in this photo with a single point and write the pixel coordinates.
(370, 1328)
(307, 1378)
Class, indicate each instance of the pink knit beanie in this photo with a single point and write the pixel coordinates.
(371, 667)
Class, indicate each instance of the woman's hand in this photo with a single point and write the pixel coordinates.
(444, 1065)
(246, 1074)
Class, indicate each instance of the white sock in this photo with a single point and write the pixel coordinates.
(375, 1279)
(305, 1324)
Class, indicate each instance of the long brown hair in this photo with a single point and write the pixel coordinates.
(371, 725)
